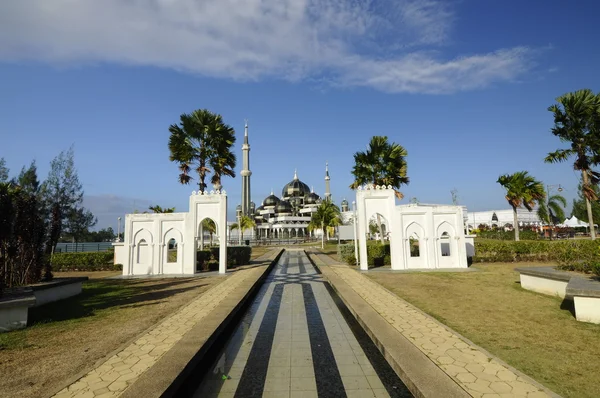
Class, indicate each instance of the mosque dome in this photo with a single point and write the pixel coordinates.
(271, 200)
(295, 188)
(344, 202)
(283, 207)
(312, 199)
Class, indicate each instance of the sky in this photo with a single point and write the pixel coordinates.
(463, 85)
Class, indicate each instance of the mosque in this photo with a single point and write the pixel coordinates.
(287, 216)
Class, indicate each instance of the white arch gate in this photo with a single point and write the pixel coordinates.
(420, 236)
(145, 250)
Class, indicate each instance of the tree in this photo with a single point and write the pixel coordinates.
(202, 140)
(383, 163)
(244, 224)
(210, 226)
(327, 215)
(79, 222)
(62, 192)
(28, 179)
(3, 171)
(521, 190)
(158, 209)
(577, 121)
(579, 209)
(552, 210)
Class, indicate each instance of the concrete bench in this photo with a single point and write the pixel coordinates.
(586, 297)
(584, 292)
(545, 280)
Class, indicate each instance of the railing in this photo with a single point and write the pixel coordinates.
(82, 247)
(272, 241)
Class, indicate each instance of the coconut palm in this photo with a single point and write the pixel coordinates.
(210, 226)
(158, 209)
(202, 141)
(327, 215)
(521, 190)
(577, 121)
(383, 163)
(244, 224)
(552, 210)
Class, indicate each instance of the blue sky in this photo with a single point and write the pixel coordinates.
(464, 86)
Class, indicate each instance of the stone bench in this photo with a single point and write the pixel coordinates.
(584, 292)
(15, 303)
(586, 297)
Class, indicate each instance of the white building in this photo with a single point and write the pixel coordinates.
(502, 218)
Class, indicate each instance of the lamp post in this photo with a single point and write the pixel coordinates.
(118, 229)
(549, 220)
(355, 233)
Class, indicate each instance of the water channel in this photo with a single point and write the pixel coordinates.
(297, 339)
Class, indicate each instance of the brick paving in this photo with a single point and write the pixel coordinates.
(477, 372)
(121, 370)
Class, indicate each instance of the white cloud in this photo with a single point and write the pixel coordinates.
(384, 44)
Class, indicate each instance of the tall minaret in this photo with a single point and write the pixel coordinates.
(327, 190)
(246, 173)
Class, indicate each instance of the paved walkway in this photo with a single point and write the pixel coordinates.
(476, 371)
(116, 374)
(295, 342)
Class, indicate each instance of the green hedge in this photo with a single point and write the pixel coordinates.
(85, 261)
(377, 254)
(507, 235)
(208, 260)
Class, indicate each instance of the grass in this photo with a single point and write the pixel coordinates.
(534, 333)
(69, 336)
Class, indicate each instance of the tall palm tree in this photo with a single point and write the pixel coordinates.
(383, 163)
(210, 226)
(521, 190)
(552, 209)
(577, 121)
(327, 215)
(244, 224)
(158, 209)
(202, 141)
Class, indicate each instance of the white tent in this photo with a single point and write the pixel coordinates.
(574, 222)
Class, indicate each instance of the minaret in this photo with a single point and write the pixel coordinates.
(327, 190)
(246, 173)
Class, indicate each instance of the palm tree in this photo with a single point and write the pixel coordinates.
(245, 223)
(327, 215)
(577, 121)
(202, 141)
(552, 209)
(158, 209)
(210, 226)
(383, 163)
(521, 190)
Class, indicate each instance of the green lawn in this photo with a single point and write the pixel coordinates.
(536, 334)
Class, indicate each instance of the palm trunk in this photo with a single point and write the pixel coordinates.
(323, 236)
(516, 222)
(380, 229)
(588, 204)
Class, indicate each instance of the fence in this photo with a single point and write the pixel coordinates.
(83, 247)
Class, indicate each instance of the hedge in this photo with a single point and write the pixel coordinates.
(507, 235)
(85, 261)
(208, 260)
(377, 254)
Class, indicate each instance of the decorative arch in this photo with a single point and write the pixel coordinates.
(172, 258)
(446, 250)
(143, 253)
(415, 242)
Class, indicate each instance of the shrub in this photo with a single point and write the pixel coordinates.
(86, 261)
(506, 235)
(377, 254)
(236, 255)
(346, 253)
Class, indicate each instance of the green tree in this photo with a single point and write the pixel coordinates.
(210, 226)
(579, 209)
(577, 121)
(383, 163)
(79, 222)
(522, 189)
(327, 215)
(3, 171)
(63, 194)
(28, 179)
(244, 224)
(158, 209)
(202, 141)
(552, 209)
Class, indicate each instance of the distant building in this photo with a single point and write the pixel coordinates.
(503, 218)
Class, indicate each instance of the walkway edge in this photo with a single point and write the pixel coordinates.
(170, 376)
(422, 377)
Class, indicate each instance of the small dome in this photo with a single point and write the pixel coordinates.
(312, 198)
(259, 209)
(238, 208)
(271, 200)
(283, 207)
(295, 188)
(344, 202)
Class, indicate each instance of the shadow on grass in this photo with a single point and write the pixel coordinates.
(568, 305)
(109, 294)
